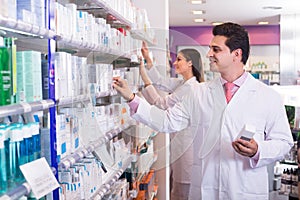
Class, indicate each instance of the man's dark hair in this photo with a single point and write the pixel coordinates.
(237, 38)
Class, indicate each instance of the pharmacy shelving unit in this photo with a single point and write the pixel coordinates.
(22, 108)
(48, 38)
(90, 148)
(270, 77)
(38, 38)
(95, 53)
(291, 98)
(16, 28)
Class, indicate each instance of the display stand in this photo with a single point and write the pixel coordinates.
(52, 42)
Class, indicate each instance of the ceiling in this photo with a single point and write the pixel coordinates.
(244, 12)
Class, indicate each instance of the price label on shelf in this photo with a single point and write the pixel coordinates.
(80, 154)
(26, 107)
(44, 104)
(66, 164)
(72, 160)
(85, 152)
(40, 177)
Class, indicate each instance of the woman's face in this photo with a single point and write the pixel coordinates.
(182, 65)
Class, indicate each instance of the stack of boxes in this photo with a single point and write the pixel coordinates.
(29, 78)
(32, 11)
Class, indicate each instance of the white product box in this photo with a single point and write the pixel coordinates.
(247, 132)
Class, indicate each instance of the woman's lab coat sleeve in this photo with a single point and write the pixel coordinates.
(163, 83)
(154, 98)
(173, 119)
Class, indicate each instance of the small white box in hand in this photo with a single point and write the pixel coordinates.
(247, 132)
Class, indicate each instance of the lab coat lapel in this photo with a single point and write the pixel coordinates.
(244, 93)
(219, 104)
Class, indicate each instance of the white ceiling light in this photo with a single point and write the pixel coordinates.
(198, 12)
(197, 2)
(216, 23)
(199, 20)
(263, 23)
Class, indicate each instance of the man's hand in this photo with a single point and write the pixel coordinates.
(122, 87)
(245, 148)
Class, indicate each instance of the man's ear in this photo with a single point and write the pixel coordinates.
(238, 52)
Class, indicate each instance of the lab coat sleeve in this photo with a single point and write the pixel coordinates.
(278, 137)
(154, 98)
(163, 83)
(171, 120)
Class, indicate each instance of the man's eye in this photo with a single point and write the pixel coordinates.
(216, 50)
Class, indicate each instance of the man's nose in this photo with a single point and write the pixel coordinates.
(209, 53)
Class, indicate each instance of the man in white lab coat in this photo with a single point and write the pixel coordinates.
(225, 167)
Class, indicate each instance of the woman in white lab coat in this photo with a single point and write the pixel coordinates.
(189, 65)
(225, 167)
